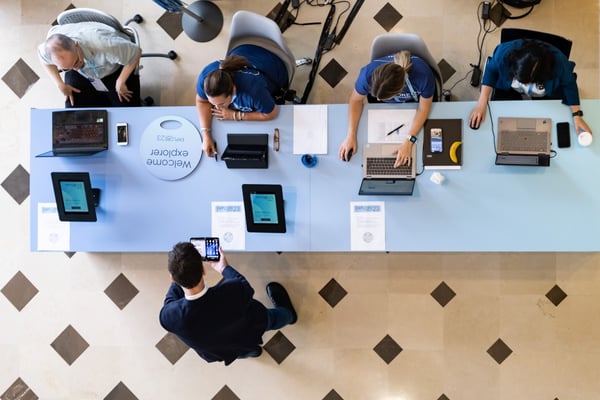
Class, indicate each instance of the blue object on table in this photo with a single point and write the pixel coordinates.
(308, 160)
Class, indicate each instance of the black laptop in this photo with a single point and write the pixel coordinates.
(78, 133)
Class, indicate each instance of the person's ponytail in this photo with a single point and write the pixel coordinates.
(220, 82)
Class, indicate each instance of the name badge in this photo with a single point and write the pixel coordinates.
(98, 85)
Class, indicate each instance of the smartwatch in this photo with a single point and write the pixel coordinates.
(578, 113)
(412, 139)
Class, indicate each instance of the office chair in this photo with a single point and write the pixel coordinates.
(561, 43)
(77, 15)
(250, 28)
(510, 34)
(391, 43)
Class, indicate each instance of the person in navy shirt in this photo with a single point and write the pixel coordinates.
(222, 322)
(395, 78)
(240, 88)
(529, 68)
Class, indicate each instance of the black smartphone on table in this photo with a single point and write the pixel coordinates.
(208, 247)
(563, 134)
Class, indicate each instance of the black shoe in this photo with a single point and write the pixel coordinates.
(280, 298)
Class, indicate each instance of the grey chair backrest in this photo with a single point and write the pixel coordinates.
(250, 28)
(391, 43)
(76, 15)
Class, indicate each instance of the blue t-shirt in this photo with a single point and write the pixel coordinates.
(255, 86)
(420, 76)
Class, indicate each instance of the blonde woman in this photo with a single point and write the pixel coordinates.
(396, 78)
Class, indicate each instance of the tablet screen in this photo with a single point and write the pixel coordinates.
(264, 208)
(73, 196)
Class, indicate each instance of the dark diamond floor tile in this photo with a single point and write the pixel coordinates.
(70, 254)
(171, 23)
(556, 295)
(443, 294)
(18, 391)
(70, 345)
(19, 291)
(279, 347)
(16, 184)
(387, 349)
(120, 392)
(333, 292)
(388, 17)
(443, 397)
(499, 14)
(333, 73)
(446, 70)
(499, 351)
(333, 395)
(20, 77)
(172, 347)
(286, 19)
(121, 291)
(225, 394)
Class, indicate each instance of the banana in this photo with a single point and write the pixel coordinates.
(453, 148)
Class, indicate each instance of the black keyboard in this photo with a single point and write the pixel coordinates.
(385, 166)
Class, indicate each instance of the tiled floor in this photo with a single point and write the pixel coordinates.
(371, 326)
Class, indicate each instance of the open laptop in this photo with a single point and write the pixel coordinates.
(379, 175)
(524, 141)
(78, 133)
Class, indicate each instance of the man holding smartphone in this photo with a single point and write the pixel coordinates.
(222, 322)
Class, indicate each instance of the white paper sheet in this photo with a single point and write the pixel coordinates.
(310, 129)
(367, 225)
(229, 224)
(380, 122)
(52, 233)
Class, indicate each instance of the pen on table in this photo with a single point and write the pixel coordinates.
(215, 153)
(394, 130)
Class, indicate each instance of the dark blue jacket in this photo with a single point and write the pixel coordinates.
(563, 84)
(226, 322)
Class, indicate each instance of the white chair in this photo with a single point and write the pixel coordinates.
(250, 28)
(391, 43)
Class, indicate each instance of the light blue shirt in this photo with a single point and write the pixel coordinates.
(104, 48)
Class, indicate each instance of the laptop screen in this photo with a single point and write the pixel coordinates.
(79, 129)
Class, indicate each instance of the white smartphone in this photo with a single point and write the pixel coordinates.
(122, 134)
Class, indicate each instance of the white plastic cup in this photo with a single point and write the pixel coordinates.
(437, 178)
(585, 138)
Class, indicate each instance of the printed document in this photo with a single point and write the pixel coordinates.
(367, 225)
(228, 224)
(310, 129)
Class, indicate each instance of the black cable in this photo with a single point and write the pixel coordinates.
(318, 53)
(492, 125)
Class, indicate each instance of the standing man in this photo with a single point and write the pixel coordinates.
(222, 322)
(99, 62)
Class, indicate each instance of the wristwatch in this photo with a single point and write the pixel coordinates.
(578, 113)
(412, 139)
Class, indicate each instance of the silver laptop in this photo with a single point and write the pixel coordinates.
(78, 133)
(524, 141)
(379, 175)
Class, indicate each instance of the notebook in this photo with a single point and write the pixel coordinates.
(379, 175)
(523, 141)
(78, 133)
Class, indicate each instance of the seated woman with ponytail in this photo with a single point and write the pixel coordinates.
(239, 88)
(397, 78)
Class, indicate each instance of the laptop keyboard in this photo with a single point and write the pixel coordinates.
(385, 166)
(533, 142)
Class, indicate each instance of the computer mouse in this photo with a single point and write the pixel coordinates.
(348, 155)
(473, 126)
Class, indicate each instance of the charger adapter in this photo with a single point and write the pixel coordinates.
(485, 10)
(475, 76)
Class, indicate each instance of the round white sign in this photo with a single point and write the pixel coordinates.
(171, 147)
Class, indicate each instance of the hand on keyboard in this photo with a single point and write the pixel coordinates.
(403, 154)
